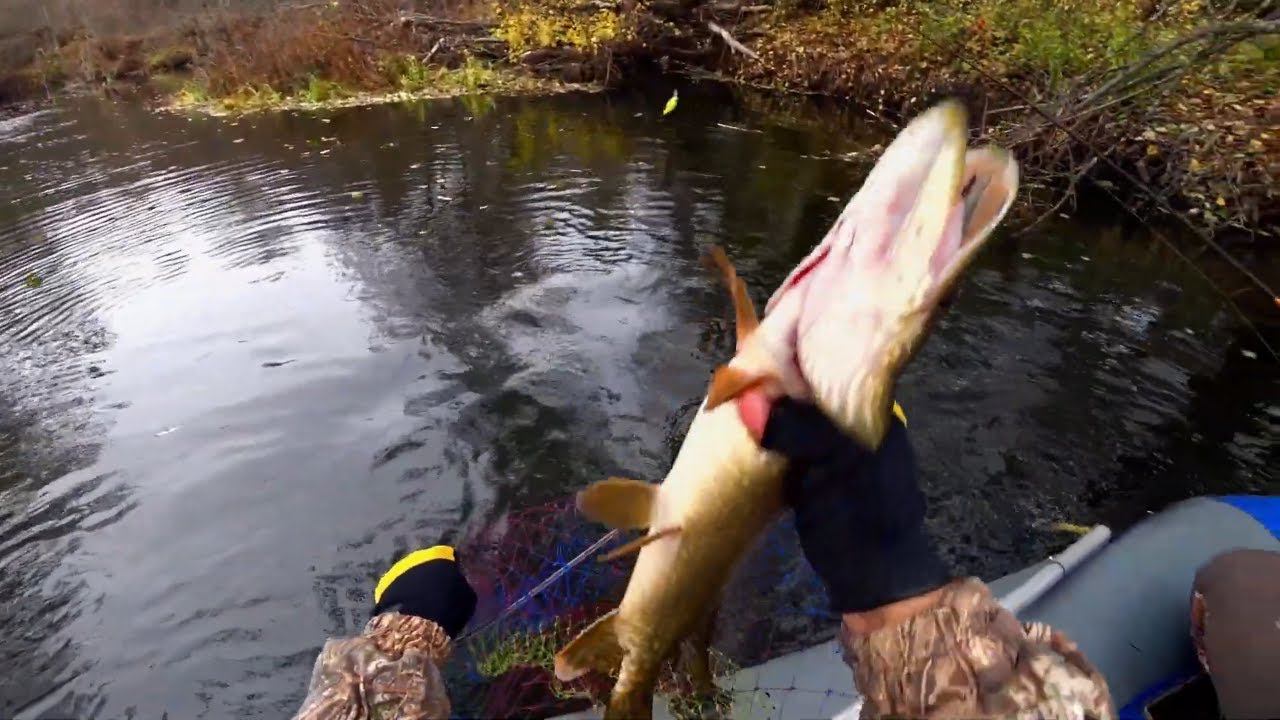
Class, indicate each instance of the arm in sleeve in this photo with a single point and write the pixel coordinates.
(969, 657)
(391, 670)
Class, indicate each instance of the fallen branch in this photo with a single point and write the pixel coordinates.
(610, 5)
(431, 21)
(430, 53)
(730, 41)
(733, 8)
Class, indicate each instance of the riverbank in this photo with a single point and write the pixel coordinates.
(308, 56)
(1179, 97)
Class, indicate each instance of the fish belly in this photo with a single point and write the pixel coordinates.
(721, 492)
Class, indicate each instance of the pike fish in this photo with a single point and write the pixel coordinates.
(837, 332)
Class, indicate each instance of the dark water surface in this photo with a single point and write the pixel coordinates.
(246, 364)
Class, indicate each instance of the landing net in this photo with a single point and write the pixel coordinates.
(773, 605)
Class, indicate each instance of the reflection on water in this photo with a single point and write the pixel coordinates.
(247, 363)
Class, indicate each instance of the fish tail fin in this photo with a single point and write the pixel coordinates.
(595, 648)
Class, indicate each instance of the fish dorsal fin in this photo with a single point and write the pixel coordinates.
(744, 311)
(595, 648)
(637, 545)
(619, 502)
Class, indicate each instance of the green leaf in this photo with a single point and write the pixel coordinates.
(33, 280)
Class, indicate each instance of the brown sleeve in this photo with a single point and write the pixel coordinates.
(389, 671)
(969, 657)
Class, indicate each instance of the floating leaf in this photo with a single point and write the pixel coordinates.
(33, 280)
(357, 195)
(671, 103)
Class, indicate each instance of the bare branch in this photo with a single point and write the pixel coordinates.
(731, 42)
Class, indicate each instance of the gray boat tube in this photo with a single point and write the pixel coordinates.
(1128, 607)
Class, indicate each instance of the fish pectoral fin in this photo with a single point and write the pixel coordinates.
(595, 648)
(636, 545)
(728, 382)
(619, 502)
(744, 311)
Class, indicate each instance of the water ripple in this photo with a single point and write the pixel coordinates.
(246, 364)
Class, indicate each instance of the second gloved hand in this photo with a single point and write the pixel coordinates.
(859, 513)
(428, 584)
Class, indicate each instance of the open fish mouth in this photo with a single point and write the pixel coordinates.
(847, 319)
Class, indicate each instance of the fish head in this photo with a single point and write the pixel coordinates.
(843, 325)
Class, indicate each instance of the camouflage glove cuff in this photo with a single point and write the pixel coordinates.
(970, 658)
(427, 584)
(859, 513)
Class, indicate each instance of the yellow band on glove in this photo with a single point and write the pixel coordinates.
(407, 563)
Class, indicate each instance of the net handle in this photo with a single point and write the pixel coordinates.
(537, 589)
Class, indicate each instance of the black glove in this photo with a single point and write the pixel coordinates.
(428, 584)
(859, 513)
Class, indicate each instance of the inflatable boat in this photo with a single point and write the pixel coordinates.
(1124, 600)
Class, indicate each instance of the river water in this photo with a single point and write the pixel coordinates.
(247, 363)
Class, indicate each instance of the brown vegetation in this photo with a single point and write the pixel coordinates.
(324, 47)
(1169, 104)
(1176, 94)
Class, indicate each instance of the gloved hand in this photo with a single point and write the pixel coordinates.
(427, 584)
(859, 513)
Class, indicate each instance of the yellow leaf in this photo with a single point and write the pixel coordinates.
(1222, 202)
(1153, 150)
(671, 103)
(1194, 165)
